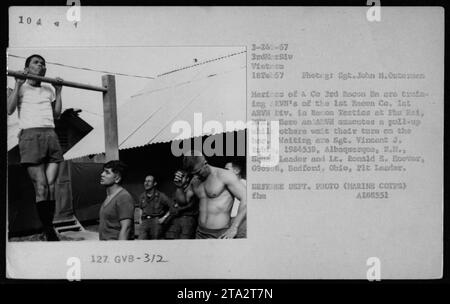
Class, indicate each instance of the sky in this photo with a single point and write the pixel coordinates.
(142, 61)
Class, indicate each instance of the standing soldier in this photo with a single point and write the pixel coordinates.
(184, 216)
(154, 205)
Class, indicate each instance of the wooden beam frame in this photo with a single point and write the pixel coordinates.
(55, 81)
(110, 118)
(109, 106)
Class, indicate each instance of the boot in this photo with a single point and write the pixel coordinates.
(46, 211)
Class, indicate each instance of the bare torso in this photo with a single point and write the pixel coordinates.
(216, 201)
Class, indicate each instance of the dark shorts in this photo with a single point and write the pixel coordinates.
(205, 233)
(242, 230)
(39, 146)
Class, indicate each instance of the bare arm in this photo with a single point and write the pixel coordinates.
(183, 193)
(238, 190)
(184, 198)
(187, 206)
(164, 218)
(170, 205)
(175, 209)
(180, 196)
(58, 100)
(125, 229)
(13, 98)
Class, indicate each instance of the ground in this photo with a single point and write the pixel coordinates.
(91, 234)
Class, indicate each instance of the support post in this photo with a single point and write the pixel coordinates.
(110, 118)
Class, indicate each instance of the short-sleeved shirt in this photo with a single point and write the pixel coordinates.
(35, 106)
(156, 205)
(120, 207)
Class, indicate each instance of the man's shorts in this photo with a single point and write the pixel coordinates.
(39, 146)
(205, 233)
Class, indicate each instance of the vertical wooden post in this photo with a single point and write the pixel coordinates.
(110, 118)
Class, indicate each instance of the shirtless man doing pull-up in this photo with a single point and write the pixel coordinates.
(216, 189)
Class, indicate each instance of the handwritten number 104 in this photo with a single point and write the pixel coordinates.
(28, 20)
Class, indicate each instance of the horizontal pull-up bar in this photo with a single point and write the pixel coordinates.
(109, 106)
(57, 82)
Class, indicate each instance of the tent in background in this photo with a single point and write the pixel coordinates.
(216, 89)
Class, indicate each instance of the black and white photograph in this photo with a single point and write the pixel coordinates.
(157, 179)
(225, 143)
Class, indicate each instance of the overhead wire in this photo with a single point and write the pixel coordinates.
(130, 75)
(87, 69)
